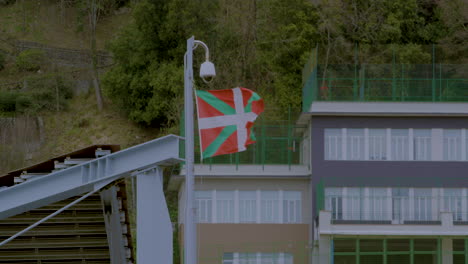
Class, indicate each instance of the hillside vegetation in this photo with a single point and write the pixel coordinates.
(261, 45)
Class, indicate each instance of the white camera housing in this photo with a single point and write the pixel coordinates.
(207, 71)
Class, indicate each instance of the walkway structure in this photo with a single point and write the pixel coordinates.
(99, 182)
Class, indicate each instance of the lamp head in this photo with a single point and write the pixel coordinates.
(207, 71)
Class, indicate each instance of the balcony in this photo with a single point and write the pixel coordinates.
(407, 210)
(390, 81)
(279, 143)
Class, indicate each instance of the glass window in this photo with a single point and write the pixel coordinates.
(354, 204)
(378, 201)
(452, 144)
(400, 144)
(292, 207)
(333, 144)
(334, 202)
(247, 206)
(225, 206)
(422, 142)
(459, 251)
(203, 204)
(270, 258)
(228, 258)
(400, 203)
(247, 258)
(377, 144)
(423, 204)
(355, 144)
(270, 207)
(453, 202)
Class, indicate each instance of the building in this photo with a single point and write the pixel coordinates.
(375, 170)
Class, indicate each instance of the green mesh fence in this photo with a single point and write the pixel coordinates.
(275, 144)
(387, 82)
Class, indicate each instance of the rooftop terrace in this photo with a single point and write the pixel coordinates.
(386, 77)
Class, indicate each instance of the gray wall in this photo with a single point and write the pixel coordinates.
(385, 173)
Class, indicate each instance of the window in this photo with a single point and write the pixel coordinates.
(379, 251)
(422, 144)
(400, 144)
(378, 202)
(334, 202)
(203, 204)
(333, 144)
(355, 144)
(257, 258)
(423, 204)
(377, 144)
(291, 207)
(453, 202)
(401, 204)
(353, 204)
(270, 207)
(247, 206)
(225, 206)
(452, 144)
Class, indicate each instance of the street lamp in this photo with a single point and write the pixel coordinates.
(207, 72)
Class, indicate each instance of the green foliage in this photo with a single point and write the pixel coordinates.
(47, 92)
(30, 60)
(2, 59)
(263, 45)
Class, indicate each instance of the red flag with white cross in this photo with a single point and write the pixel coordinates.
(225, 120)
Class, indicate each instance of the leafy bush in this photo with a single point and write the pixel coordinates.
(30, 60)
(45, 92)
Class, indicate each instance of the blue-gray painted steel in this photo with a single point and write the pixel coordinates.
(154, 228)
(190, 252)
(88, 176)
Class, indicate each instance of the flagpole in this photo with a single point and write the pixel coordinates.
(190, 236)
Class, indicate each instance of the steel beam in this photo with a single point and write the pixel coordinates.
(88, 176)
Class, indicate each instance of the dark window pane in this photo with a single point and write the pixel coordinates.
(398, 245)
(425, 244)
(458, 245)
(425, 259)
(344, 245)
(371, 245)
(344, 260)
(398, 259)
(458, 259)
(371, 259)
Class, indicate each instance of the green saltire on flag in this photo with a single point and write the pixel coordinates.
(225, 119)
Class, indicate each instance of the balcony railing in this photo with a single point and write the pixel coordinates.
(386, 82)
(276, 144)
(396, 209)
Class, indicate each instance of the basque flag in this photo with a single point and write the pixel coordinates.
(225, 119)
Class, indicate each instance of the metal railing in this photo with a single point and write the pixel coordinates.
(396, 209)
(275, 144)
(387, 82)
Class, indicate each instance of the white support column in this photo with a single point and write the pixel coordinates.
(389, 143)
(154, 228)
(236, 206)
(259, 205)
(437, 144)
(463, 145)
(366, 144)
(280, 203)
(447, 248)
(344, 132)
(411, 144)
(214, 207)
(325, 249)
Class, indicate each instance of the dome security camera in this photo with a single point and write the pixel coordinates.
(207, 71)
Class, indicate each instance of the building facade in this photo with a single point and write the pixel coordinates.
(374, 170)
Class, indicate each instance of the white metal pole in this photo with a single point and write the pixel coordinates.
(190, 252)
